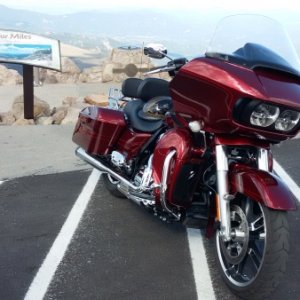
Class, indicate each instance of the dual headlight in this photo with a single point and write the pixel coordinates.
(266, 115)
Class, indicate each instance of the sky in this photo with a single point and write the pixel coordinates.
(287, 12)
(70, 6)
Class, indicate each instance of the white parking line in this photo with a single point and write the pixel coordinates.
(287, 179)
(200, 267)
(40, 283)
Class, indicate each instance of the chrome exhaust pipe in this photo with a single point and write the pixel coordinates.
(99, 166)
(80, 152)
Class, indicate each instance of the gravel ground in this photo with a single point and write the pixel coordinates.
(32, 150)
(53, 93)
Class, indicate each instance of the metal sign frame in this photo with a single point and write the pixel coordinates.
(29, 50)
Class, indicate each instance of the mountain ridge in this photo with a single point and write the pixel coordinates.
(89, 28)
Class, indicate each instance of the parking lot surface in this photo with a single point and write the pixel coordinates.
(118, 250)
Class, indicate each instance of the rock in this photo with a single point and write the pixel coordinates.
(99, 100)
(80, 104)
(68, 66)
(41, 108)
(45, 121)
(59, 115)
(93, 74)
(70, 73)
(107, 74)
(9, 77)
(72, 116)
(50, 78)
(70, 101)
(23, 122)
(125, 56)
(7, 118)
(125, 63)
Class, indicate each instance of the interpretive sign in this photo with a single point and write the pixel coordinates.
(30, 49)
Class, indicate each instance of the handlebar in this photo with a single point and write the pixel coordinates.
(161, 69)
(173, 65)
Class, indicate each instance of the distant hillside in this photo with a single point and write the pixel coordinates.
(185, 32)
(123, 23)
(110, 29)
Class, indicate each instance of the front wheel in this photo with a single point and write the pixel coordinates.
(254, 260)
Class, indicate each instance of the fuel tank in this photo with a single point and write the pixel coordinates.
(207, 90)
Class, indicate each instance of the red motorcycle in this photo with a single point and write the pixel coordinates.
(197, 149)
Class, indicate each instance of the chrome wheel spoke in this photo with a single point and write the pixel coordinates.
(231, 271)
(241, 267)
(255, 258)
(257, 224)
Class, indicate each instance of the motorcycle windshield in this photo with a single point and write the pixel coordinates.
(254, 41)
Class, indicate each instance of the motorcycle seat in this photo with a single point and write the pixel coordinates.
(152, 87)
(133, 111)
(130, 87)
(145, 89)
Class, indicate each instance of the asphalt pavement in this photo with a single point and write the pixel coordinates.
(32, 211)
(118, 251)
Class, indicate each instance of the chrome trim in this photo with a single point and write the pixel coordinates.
(117, 159)
(136, 199)
(147, 176)
(263, 159)
(164, 186)
(223, 191)
(99, 166)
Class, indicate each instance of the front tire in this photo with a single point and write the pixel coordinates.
(253, 262)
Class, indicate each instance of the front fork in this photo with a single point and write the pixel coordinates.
(224, 196)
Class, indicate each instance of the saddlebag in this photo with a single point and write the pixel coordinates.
(98, 129)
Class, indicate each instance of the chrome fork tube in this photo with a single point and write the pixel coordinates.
(263, 159)
(223, 191)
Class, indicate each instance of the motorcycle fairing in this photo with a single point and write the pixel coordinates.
(207, 89)
(261, 186)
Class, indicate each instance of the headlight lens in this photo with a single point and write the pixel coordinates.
(264, 115)
(287, 120)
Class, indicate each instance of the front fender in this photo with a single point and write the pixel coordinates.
(261, 186)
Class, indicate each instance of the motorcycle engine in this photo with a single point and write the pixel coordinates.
(119, 161)
(143, 177)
